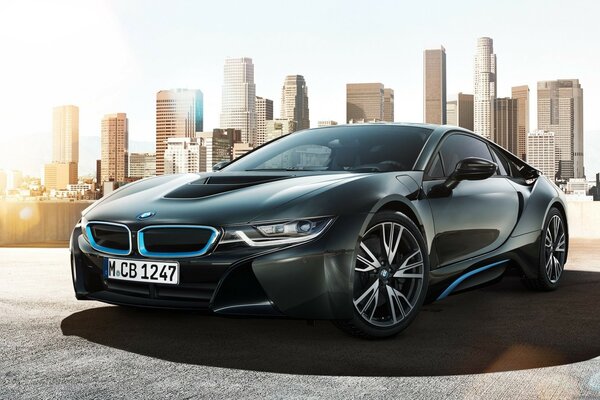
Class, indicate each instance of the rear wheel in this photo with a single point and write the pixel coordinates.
(391, 274)
(553, 251)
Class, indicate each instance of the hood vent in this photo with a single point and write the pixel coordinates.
(212, 185)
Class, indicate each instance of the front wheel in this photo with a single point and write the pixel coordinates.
(552, 253)
(391, 274)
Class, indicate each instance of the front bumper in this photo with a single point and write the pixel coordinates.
(311, 280)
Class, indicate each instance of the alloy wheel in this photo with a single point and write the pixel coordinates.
(389, 274)
(554, 249)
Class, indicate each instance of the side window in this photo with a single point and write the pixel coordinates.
(436, 170)
(503, 165)
(458, 147)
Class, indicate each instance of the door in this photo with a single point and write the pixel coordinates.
(477, 216)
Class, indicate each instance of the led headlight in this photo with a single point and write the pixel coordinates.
(277, 233)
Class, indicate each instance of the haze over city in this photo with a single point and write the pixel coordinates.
(107, 57)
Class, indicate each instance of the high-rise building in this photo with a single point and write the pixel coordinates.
(294, 101)
(142, 165)
(280, 127)
(218, 145)
(330, 122)
(484, 88)
(183, 155)
(179, 113)
(238, 106)
(464, 111)
(560, 110)
(541, 152)
(115, 147)
(58, 175)
(239, 149)
(505, 123)
(65, 133)
(451, 117)
(388, 105)
(521, 95)
(364, 102)
(459, 112)
(264, 113)
(434, 86)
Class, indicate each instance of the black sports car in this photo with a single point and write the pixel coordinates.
(358, 224)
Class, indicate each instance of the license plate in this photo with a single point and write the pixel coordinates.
(142, 271)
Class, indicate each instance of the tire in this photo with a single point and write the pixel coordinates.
(391, 277)
(552, 253)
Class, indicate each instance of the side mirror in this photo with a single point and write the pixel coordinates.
(469, 169)
(220, 165)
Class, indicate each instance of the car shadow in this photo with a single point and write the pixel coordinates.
(499, 328)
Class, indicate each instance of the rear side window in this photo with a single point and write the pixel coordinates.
(457, 147)
(503, 165)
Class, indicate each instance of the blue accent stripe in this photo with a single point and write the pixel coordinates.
(460, 279)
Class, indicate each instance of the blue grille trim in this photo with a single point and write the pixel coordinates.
(107, 250)
(209, 244)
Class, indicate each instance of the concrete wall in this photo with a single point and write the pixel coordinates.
(48, 222)
(38, 222)
(584, 219)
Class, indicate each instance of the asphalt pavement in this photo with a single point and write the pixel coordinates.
(501, 341)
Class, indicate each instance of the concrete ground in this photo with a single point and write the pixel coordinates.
(497, 342)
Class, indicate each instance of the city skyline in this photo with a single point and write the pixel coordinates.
(139, 72)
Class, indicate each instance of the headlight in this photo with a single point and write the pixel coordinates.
(277, 233)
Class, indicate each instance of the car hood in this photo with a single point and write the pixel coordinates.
(215, 199)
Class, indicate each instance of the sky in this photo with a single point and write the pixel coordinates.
(113, 56)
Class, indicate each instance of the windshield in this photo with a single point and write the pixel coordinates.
(357, 148)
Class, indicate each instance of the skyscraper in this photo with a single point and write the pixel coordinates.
(364, 102)
(294, 101)
(238, 106)
(264, 113)
(464, 111)
(434, 86)
(560, 110)
(183, 155)
(142, 165)
(451, 117)
(485, 88)
(388, 105)
(115, 147)
(218, 146)
(65, 133)
(179, 113)
(280, 127)
(541, 152)
(459, 112)
(505, 123)
(521, 95)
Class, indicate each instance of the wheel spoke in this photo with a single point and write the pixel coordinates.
(548, 240)
(560, 246)
(373, 289)
(549, 266)
(394, 300)
(391, 244)
(372, 264)
(402, 272)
